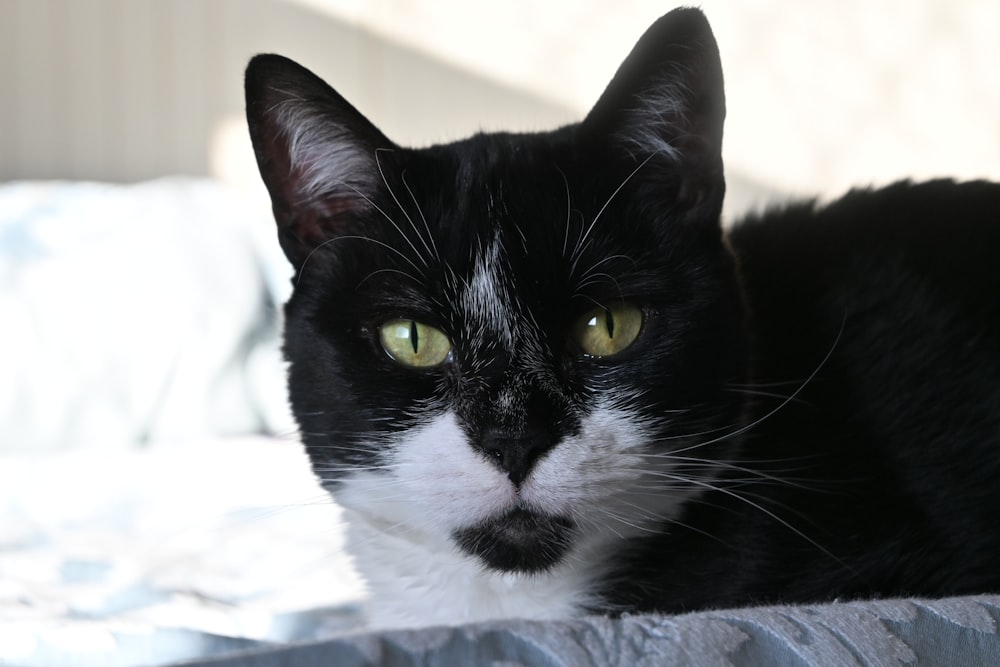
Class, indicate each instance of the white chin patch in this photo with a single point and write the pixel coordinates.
(401, 521)
(603, 479)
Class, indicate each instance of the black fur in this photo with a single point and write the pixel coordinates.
(836, 370)
(890, 453)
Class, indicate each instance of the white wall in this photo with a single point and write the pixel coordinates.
(125, 90)
(821, 95)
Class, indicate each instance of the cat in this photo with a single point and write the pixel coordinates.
(544, 382)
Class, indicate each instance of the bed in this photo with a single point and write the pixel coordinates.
(156, 509)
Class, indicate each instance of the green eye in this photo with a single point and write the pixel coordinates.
(414, 344)
(604, 332)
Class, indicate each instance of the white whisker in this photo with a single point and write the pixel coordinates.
(585, 235)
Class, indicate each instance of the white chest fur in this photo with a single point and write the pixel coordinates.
(423, 582)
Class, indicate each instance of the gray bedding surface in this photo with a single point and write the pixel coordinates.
(954, 631)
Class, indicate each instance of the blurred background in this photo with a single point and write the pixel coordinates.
(154, 504)
(821, 96)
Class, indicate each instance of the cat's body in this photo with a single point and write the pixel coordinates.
(542, 382)
(890, 302)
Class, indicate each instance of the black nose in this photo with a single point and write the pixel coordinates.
(515, 453)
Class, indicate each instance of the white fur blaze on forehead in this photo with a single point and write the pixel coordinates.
(486, 300)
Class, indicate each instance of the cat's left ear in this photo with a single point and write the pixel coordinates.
(316, 153)
(666, 104)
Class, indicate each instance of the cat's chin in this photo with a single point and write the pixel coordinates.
(520, 540)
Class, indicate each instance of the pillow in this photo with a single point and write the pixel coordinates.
(136, 314)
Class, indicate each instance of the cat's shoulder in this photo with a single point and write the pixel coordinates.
(904, 209)
(935, 227)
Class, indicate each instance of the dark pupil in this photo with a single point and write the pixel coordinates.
(610, 322)
(414, 336)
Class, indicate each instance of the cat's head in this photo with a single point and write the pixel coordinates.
(516, 344)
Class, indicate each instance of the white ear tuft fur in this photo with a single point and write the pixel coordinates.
(323, 154)
(316, 152)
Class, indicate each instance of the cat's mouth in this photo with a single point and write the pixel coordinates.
(520, 540)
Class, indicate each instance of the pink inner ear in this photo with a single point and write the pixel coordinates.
(310, 205)
(327, 217)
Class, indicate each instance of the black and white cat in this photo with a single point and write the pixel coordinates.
(543, 382)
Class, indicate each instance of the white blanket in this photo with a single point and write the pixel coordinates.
(138, 313)
(152, 555)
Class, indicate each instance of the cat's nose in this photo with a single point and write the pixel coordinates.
(515, 453)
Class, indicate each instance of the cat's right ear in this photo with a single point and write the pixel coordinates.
(664, 109)
(316, 153)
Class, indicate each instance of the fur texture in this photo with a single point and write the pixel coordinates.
(809, 409)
